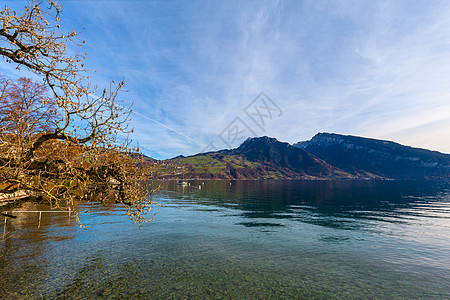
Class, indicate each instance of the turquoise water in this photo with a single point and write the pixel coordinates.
(242, 240)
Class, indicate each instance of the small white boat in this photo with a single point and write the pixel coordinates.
(182, 182)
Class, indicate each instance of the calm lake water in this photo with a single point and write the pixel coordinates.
(242, 240)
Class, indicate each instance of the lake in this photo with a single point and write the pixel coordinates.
(241, 240)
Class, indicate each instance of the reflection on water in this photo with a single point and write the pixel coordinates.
(242, 239)
(334, 204)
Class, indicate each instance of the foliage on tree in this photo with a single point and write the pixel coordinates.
(63, 140)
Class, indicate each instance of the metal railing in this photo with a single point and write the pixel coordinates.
(34, 211)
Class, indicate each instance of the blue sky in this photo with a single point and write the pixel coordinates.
(377, 69)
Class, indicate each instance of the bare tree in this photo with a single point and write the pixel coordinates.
(64, 140)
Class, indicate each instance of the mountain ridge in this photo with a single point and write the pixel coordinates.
(325, 156)
(298, 144)
(388, 159)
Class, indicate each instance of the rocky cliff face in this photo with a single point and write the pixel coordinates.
(270, 152)
(360, 156)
